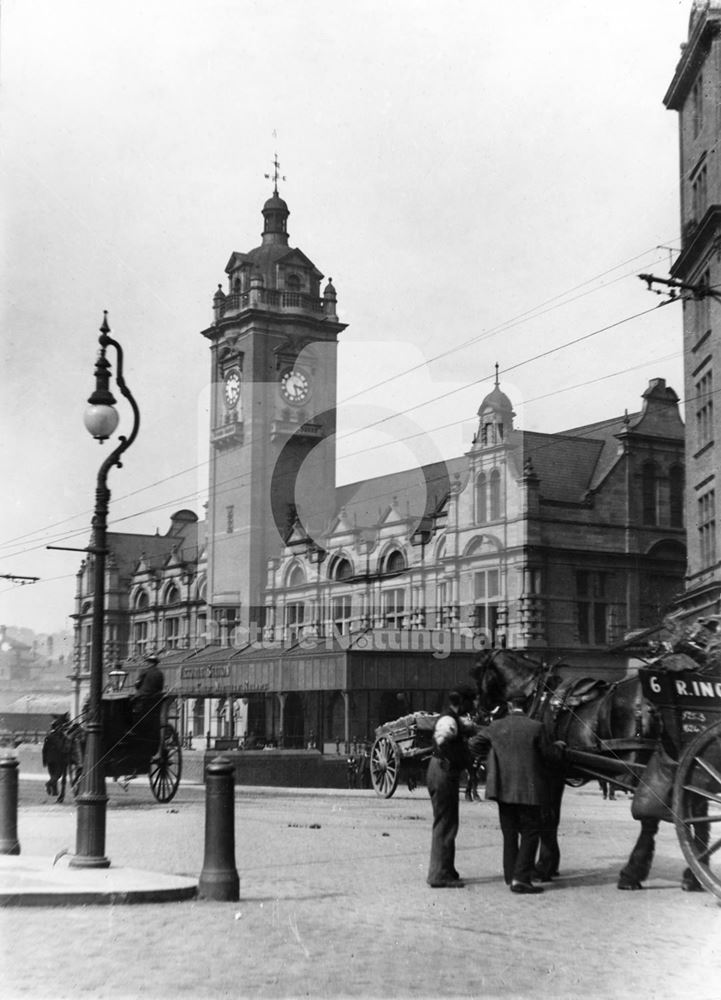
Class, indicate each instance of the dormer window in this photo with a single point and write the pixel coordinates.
(293, 282)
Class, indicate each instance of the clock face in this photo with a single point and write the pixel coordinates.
(295, 385)
(232, 388)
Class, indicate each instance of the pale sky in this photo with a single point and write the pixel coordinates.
(482, 181)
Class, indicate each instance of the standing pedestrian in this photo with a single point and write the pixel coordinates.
(520, 777)
(450, 758)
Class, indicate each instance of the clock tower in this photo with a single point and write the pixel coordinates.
(273, 345)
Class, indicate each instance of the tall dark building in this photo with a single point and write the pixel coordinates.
(695, 93)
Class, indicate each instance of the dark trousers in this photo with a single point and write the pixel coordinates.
(443, 786)
(520, 825)
(549, 853)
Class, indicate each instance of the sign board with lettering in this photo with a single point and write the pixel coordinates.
(689, 701)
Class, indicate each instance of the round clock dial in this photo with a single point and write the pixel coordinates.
(232, 388)
(295, 385)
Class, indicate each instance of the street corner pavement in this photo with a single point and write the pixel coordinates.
(51, 881)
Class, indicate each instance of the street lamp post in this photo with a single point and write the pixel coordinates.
(101, 419)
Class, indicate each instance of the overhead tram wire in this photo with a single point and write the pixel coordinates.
(232, 483)
(529, 314)
(383, 420)
(87, 513)
(534, 313)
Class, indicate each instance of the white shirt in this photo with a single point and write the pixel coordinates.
(446, 729)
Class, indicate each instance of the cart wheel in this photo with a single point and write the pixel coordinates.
(697, 806)
(166, 766)
(385, 766)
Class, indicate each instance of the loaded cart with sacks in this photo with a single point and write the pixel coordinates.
(401, 749)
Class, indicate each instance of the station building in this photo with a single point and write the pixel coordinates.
(302, 613)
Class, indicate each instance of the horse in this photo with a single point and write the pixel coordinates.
(594, 718)
(62, 753)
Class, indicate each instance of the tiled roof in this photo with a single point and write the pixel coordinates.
(127, 549)
(419, 492)
(565, 464)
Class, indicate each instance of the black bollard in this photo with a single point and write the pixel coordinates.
(9, 843)
(219, 877)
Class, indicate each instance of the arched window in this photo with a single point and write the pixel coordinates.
(675, 489)
(481, 498)
(342, 570)
(296, 577)
(173, 595)
(495, 495)
(395, 562)
(142, 601)
(649, 513)
(292, 283)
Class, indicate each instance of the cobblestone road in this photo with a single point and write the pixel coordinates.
(334, 904)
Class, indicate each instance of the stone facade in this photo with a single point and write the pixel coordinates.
(695, 93)
(559, 543)
(303, 613)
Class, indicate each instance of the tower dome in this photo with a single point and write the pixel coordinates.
(275, 214)
(496, 416)
(497, 402)
(276, 204)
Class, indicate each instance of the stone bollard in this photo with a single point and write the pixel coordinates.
(9, 843)
(219, 877)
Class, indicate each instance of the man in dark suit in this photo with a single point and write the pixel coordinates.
(449, 760)
(521, 765)
(148, 690)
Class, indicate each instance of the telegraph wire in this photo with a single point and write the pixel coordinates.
(434, 399)
(232, 483)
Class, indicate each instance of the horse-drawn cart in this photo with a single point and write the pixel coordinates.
(690, 706)
(655, 734)
(676, 777)
(139, 737)
(401, 748)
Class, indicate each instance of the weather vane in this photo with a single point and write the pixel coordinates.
(276, 174)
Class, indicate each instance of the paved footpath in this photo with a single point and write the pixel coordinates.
(334, 904)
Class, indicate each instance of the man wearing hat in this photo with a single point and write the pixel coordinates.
(449, 760)
(148, 688)
(150, 681)
(521, 768)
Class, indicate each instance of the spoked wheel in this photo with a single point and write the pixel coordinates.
(697, 807)
(166, 766)
(385, 766)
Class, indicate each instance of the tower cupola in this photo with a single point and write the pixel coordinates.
(275, 213)
(496, 417)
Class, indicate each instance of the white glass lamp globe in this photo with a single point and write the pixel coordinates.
(101, 420)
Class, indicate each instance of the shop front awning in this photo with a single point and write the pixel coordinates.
(367, 661)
